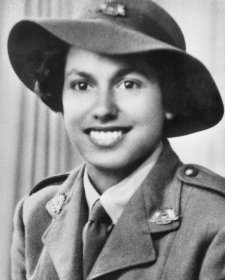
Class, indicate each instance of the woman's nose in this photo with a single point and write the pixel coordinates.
(105, 108)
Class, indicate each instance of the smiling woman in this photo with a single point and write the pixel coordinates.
(123, 87)
(113, 113)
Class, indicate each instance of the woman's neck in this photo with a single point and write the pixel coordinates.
(103, 178)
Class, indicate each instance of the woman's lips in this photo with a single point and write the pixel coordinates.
(106, 136)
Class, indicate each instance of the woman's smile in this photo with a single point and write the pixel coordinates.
(107, 136)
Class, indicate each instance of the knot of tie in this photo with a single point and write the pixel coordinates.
(95, 234)
(99, 215)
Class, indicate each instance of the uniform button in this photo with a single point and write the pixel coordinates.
(191, 171)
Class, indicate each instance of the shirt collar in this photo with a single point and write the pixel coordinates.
(115, 198)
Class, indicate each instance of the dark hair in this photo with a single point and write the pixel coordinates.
(49, 75)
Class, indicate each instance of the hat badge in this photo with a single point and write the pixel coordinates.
(56, 204)
(164, 216)
(112, 9)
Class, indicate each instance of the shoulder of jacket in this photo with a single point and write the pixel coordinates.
(201, 177)
(35, 201)
(50, 181)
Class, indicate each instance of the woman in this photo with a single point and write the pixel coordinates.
(119, 74)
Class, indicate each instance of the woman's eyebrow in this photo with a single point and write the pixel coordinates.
(79, 73)
(124, 71)
(130, 70)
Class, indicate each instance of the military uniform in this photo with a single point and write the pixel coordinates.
(145, 243)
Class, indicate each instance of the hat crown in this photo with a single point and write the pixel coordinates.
(143, 16)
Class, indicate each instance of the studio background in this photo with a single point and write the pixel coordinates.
(33, 143)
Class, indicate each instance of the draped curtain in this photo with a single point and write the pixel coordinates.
(33, 142)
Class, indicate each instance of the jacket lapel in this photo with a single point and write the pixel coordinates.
(162, 189)
(63, 239)
(130, 242)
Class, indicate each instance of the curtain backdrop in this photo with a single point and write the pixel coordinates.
(33, 143)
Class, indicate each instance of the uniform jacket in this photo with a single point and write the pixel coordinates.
(47, 246)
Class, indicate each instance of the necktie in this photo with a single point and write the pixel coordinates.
(95, 234)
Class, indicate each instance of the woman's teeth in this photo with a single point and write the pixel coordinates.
(106, 138)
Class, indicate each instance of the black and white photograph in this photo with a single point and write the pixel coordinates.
(112, 147)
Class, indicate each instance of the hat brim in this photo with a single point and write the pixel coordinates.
(196, 102)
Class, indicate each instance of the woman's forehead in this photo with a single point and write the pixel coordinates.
(81, 60)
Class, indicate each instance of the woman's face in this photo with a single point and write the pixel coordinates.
(112, 108)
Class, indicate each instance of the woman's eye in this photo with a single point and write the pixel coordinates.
(81, 86)
(129, 85)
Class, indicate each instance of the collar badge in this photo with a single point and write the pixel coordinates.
(56, 204)
(164, 217)
(112, 9)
